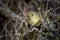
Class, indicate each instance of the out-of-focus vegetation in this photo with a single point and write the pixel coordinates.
(14, 23)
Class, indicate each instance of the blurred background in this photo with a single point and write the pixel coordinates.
(16, 21)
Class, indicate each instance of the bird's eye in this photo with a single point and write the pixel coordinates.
(32, 14)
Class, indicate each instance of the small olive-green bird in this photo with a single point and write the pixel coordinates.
(34, 18)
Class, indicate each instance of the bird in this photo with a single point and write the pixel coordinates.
(34, 18)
